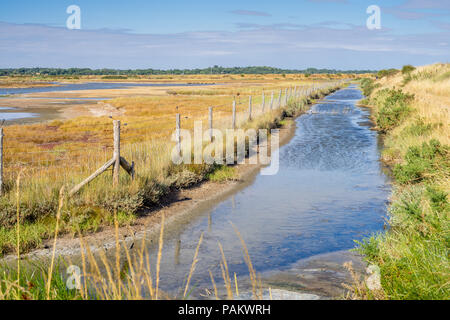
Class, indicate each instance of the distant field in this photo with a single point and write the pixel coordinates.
(21, 81)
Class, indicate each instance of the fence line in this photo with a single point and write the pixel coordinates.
(124, 130)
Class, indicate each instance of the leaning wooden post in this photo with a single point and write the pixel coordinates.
(285, 96)
(250, 108)
(233, 120)
(1, 161)
(263, 103)
(210, 124)
(177, 133)
(116, 152)
(271, 102)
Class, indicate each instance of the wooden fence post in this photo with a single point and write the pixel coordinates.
(285, 96)
(250, 108)
(116, 152)
(116, 162)
(210, 124)
(279, 99)
(263, 103)
(1, 161)
(177, 133)
(271, 102)
(233, 120)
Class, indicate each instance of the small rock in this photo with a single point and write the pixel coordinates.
(279, 294)
(373, 282)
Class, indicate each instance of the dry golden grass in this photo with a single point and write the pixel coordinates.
(431, 88)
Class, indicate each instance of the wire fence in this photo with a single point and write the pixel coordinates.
(54, 155)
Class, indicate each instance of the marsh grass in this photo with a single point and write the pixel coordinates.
(224, 173)
(62, 153)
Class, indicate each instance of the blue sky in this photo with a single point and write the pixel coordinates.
(198, 33)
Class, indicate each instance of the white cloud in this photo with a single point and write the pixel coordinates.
(283, 45)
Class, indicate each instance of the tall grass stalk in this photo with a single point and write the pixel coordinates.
(158, 263)
(194, 263)
(58, 216)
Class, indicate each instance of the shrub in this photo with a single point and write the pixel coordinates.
(222, 174)
(114, 77)
(387, 73)
(419, 128)
(408, 69)
(29, 212)
(438, 199)
(367, 86)
(393, 108)
(422, 162)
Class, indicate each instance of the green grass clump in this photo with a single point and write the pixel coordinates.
(223, 174)
(419, 128)
(31, 283)
(393, 108)
(413, 255)
(114, 77)
(387, 73)
(367, 86)
(422, 162)
(408, 69)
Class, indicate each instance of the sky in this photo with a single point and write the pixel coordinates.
(295, 34)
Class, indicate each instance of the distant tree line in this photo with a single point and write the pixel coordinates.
(143, 72)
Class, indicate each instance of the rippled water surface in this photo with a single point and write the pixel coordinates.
(12, 114)
(330, 191)
(88, 86)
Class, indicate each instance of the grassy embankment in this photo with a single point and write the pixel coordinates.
(63, 153)
(411, 109)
